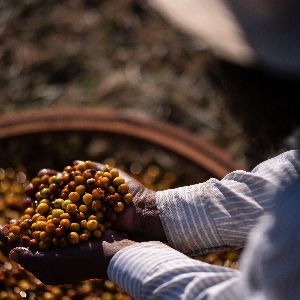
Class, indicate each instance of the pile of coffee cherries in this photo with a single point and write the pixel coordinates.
(71, 207)
(16, 283)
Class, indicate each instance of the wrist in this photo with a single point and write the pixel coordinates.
(111, 249)
(148, 223)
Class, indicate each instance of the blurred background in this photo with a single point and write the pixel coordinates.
(118, 55)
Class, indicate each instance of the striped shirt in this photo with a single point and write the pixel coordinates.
(216, 215)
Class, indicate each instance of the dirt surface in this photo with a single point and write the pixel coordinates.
(113, 54)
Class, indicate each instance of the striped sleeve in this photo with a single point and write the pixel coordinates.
(218, 214)
(152, 270)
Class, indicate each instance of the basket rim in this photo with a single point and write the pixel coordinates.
(164, 134)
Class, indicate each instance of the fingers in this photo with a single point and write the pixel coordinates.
(25, 258)
(5, 244)
(4, 230)
(29, 190)
(57, 266)
(27, 201)
(77, 161)
(111, 236)
(36, 263)
(17, 254)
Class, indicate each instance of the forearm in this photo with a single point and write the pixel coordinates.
(153, 270)
(219, 214)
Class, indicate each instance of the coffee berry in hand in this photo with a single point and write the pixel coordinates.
(71, 207)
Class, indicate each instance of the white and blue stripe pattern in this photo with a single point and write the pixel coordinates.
(198, 219)
(217, 214)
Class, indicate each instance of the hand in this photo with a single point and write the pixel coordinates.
(73, 263)
(5, 244)
(140, 219)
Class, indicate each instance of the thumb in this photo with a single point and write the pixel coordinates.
(4, 230)
(5, 243)
(24, 257)
(36, 263)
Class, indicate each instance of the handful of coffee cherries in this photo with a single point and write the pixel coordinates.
(71, 207)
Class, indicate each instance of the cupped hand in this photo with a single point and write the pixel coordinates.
(140, 219)
(72, 263)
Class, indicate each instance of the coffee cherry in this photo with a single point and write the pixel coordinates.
(98, 193)
(73, 238)
(32, 244)
(57, 212)
(72, 186)
(13, 237)
(80, 190)
(123, 188)
(97, 234)
(83, 208)
(75, 227)
(87, 199)
(43, 208)
(65, 223)
(15, 230)
(92, 225)
(36, 182)
(65, 204)
(86, 175)
(110, 190)
(45, 179)
(119, 207)
(50, 227)
(29, 211)
(59, 232)
(45, 193)
(128, 198)
(114, 172)
(55, 221)
(96, 205)
(41, 225)
(84, 237)
(108, 175)
(71, 208)
(65, 216)
(58, 203)
(118, 181)
(74, 197)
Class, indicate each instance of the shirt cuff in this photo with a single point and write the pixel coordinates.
(187, 222)
(152, 270)
(131, 266)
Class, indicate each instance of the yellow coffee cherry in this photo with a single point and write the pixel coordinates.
(43, 208)
(118, 180)
(87, 199)
(92, 225)
(73, 238)
(65, 223)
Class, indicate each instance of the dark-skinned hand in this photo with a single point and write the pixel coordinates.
(72, 263)
(90, 260)
(140, 219)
